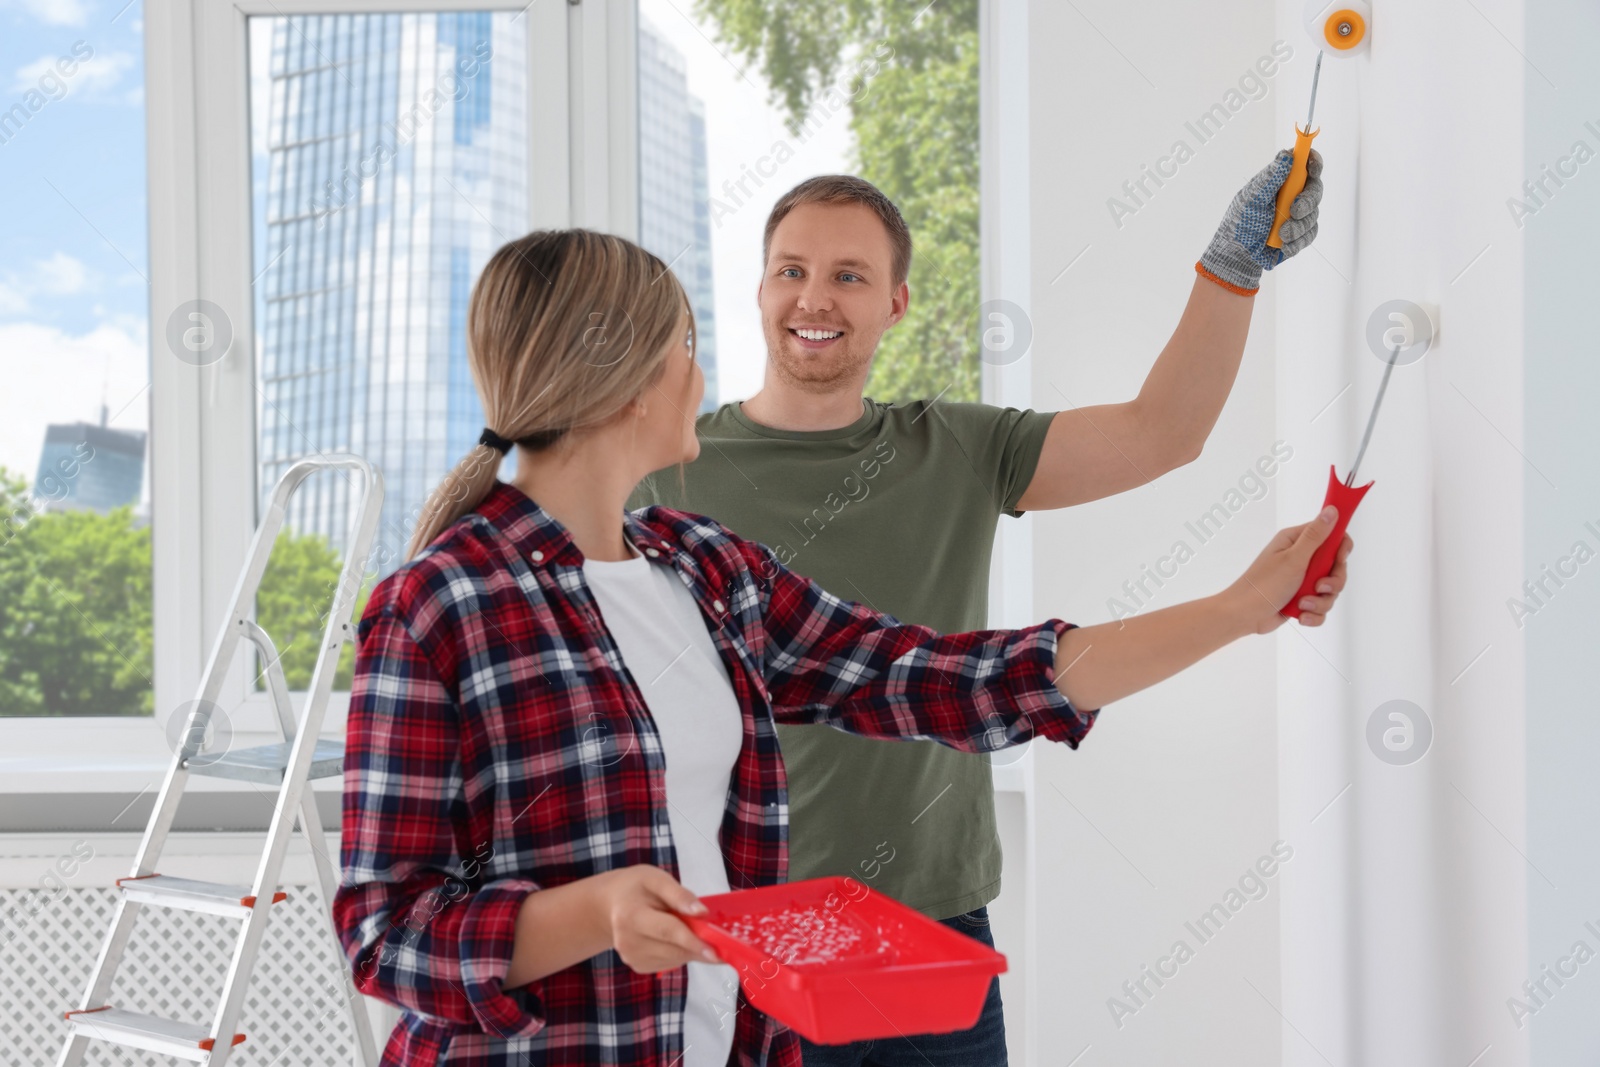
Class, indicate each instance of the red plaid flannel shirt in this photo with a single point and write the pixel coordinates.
(496, 746)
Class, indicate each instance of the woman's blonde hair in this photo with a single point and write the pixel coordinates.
(564, 328)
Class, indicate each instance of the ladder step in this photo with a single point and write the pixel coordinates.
(184, 1040)
(266, 763)
(190, 895)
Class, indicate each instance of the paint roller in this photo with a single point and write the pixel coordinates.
(1340, 28)
(1395, 326)
(1345, 496)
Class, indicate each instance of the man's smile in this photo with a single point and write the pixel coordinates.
(815, 337)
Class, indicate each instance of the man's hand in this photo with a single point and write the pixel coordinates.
(1239, 253)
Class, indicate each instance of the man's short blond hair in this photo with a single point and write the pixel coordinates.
(846, 189)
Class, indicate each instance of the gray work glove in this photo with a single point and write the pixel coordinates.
(1239, 253)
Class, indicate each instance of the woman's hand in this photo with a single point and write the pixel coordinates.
(641, 905)
(1275, 577)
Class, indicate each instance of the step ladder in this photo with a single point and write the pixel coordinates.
(286, 766)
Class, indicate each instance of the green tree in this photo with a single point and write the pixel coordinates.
(75, 597)
(914, 116)
(76, 633)
(292, 606)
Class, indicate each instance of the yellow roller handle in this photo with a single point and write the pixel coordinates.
(1293, 184)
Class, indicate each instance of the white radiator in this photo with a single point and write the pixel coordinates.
(55, 905)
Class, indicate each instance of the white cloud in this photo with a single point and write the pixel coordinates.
(100, 73)
(60, 275)
(28, 75)
(55, 12)
(53, 376)
(95, 77)
(12, 300)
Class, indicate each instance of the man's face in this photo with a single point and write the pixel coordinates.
(828, 295)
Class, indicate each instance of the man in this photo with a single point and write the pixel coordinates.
(896, 506)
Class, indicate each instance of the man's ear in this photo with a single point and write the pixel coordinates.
(898, 304)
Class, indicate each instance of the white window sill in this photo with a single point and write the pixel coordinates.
(125, 754)
(96, 859)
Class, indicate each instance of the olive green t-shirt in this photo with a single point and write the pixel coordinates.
(896, 511)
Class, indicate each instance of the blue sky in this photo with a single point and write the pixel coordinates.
(74, 301)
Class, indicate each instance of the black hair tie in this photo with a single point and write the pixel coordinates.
(541, 439)
(495, 441)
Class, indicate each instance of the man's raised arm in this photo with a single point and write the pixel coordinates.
(1107, 449)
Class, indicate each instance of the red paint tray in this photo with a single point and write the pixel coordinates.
(838, 962)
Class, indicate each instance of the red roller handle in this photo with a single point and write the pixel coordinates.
(1345, 498)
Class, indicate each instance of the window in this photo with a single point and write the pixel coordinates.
(743, 102)
(388, 162)
(337, 229)
(75, 538)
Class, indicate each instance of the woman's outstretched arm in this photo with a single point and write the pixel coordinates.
(833, 662)
(1098, 664)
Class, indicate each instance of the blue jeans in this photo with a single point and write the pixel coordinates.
(982, 1046)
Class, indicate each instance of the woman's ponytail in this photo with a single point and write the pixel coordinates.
(462, 490)
(564, 329)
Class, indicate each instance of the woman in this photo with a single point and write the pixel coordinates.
(561, 724)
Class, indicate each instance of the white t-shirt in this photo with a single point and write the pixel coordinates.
(664, 643)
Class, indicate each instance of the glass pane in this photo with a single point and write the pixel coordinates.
(75, 603)
(743, 99)
(389, 161)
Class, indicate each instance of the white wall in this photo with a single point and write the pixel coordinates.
(1398, 929)
(1403, 938)
(1562, 381)
(1175, 793)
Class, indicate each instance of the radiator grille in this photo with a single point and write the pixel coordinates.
(294, 1015)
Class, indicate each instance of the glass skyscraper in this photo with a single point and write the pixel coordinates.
(87, 466)
(674, 196)
(390, 162)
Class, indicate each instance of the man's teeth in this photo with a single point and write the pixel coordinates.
(819, 335)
